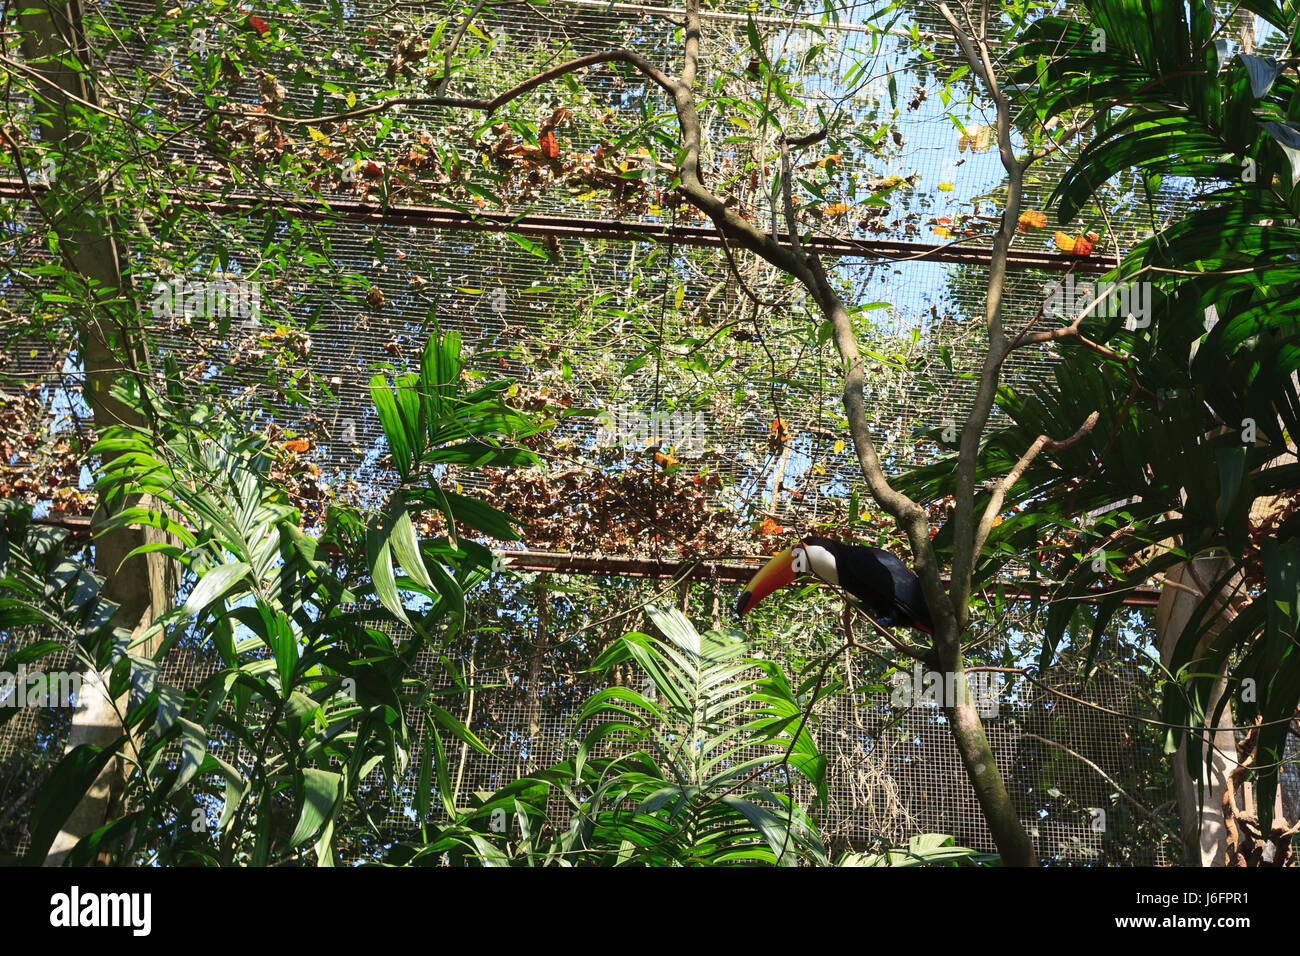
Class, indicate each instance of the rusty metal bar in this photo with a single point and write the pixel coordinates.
(735, 571)
(730, 571)
(785, 23)
(573, 227)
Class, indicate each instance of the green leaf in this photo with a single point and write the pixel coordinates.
(488, 854)
(390, 419)
(213, 586)
(529, 246)
(445, 790)
(1232, 470)
(926, 849)
(194, 745)
(60, 794)
(322, 789)
(399, 534)
(755, 42)
(379, 556)
(771, 827)
(284, 645)
(483, 518)
(1287, 136)
(1262, 70)
(299, 705)
(457, 728)
(424, 780)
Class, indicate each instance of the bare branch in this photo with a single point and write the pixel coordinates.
(799, 142)
(1072, 332)
(1041, 444)
(740, 280)
(787, 195)
(1120, 790)
(488, 106)
(915, 651)
(976, 51)
(451, 47)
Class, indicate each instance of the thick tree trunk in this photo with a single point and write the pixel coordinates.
(1206, 833)
(52, 41)
(1200, 805)
(1009, 835)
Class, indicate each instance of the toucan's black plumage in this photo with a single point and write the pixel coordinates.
(885, 587)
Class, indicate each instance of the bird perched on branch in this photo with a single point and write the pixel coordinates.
(885, 587)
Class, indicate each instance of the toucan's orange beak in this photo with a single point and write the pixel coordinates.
(777, 573)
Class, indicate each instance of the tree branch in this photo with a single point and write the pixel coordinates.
(977, 57)
(488, 106)
(1118, 789)
(1041, 444)
(787, 196)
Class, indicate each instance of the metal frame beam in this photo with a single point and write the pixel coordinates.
(577, 227)
(736, 570)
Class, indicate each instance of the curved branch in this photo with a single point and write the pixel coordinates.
(1118, 789)
(488, 106)
(1041, 444)
(964, 552)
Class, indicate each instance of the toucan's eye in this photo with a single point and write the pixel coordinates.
(800, 565)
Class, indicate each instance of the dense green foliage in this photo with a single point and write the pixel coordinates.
(688, 773)
(1194, 453)
(341, 636)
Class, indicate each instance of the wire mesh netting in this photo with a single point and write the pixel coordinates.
(657, 337)
(1085, 772)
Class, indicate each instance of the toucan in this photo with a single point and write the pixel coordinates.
(887, 588)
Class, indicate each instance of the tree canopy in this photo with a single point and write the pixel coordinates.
(317, 314)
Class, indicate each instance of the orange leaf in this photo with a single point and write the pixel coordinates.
(1032, 219)
(837, 209)
(297, 446)
(769, 527)
(1075, 245)
(549, 144)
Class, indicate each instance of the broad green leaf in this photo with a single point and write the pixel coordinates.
(322, 789)
(213, 586)
(59, 795)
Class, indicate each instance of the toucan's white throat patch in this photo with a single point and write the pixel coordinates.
(821, 561)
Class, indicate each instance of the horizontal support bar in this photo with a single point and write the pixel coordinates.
(736, 571)
(575, 227)
(730, 571)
